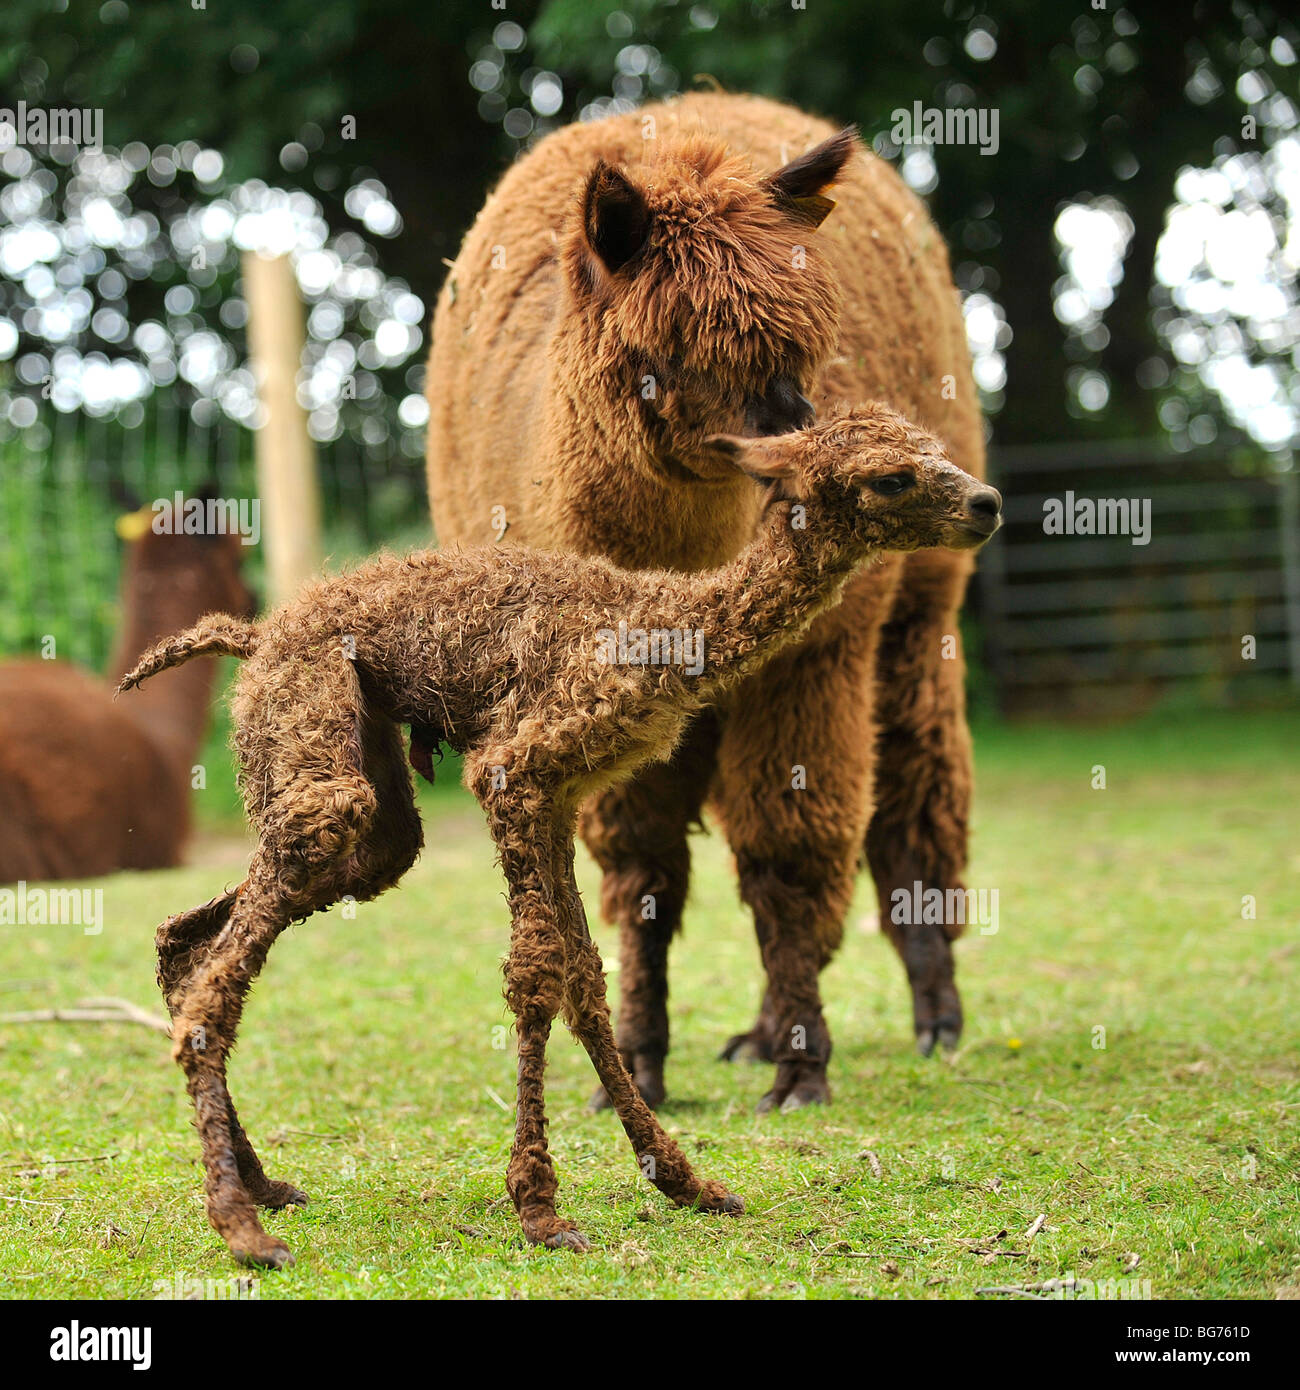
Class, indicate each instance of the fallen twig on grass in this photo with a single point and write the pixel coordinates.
(36, 1202)
(93, 1011)
(1039, 1223)
(30, 1166)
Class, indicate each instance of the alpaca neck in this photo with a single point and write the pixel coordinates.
(767, 598)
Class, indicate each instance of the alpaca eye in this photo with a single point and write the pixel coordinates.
(892, 484)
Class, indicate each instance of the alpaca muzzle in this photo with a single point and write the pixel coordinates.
(780, 409)
(982, 511)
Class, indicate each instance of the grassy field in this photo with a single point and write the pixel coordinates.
(375, 1071)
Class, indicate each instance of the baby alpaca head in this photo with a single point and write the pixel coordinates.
(876, 478)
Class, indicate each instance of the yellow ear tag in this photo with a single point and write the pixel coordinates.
(815, 207)
(130, 526)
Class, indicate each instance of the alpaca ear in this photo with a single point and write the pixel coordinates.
(798, 186)
(615, 217)
(766, 459)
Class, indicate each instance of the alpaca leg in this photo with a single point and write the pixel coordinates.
(387, 849)
(184, 944)
(660, 1159)
(794, 778)
(535, 971)
(204, 1025)
(918, 830)
(637, 833)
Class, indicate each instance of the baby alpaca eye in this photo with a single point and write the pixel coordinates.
(892, 484)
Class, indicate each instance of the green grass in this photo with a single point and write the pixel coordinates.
(373, 1069)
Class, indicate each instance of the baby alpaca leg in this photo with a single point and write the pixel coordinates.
(637, 833)
(184, 944)
(535, 972)
(204, 1026)
(387, 848)
(660, 1159)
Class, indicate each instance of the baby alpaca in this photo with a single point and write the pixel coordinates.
(511, 657)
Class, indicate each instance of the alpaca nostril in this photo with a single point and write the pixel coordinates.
(985, 502)
(984, 508)
(782, 408)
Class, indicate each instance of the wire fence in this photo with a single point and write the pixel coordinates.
(1208, 602)
(66, 477)
(1193, 583)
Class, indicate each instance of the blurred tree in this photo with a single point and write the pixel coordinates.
(1098, 104)
(1100, 108)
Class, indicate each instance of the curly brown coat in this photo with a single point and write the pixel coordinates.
(509, 658)
(632, 286)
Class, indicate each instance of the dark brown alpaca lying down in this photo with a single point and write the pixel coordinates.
(86, 786)
(511, 657)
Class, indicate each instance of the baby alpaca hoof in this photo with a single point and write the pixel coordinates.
(572, 1239)
(278, 1195)
(553, 1232)
(267, 1253)
(713, 1196)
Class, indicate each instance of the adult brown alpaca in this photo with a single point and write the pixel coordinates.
(504, 655)
(88, 786)
(633, 286)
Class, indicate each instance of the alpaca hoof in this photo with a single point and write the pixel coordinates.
(570, 1239)
(802, 1096)
(714, 1197)
(791, 1094)
(753, 1046)
(267, 1253)
(947, 1036)
(278, 1195)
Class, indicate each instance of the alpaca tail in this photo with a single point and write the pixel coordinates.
(218, 634)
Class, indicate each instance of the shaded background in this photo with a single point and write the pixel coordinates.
(1127, 260)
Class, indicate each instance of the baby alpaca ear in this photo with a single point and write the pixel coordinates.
(615, 217)
(767, 459)
(798, 186)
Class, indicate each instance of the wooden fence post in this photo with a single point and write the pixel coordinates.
(286, 457)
